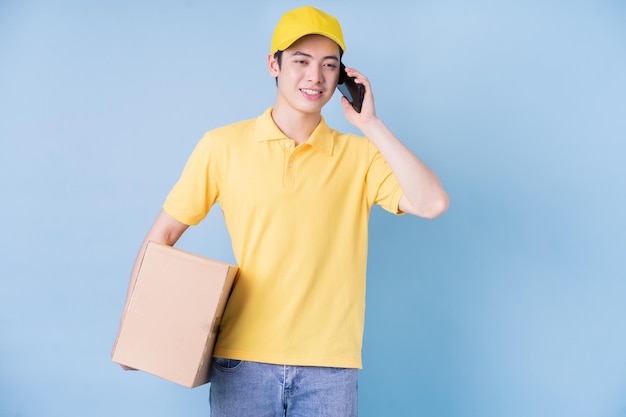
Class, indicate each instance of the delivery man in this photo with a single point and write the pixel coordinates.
(296, 197)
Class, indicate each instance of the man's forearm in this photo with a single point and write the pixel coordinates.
(424, 194)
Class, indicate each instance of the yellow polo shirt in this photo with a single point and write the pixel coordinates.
(298, 221)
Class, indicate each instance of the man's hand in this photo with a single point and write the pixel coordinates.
(124, 367)
(368, 111)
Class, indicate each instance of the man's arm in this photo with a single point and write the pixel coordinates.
(165, 230)
(424, 195)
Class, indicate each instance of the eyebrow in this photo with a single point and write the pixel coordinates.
(311, 56)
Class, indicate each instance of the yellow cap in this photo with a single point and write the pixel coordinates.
(304, 21)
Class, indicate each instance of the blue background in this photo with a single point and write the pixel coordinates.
(510, 305)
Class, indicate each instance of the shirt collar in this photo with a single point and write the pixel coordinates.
(266, 130)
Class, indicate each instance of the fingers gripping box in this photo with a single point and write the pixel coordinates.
(170, 324)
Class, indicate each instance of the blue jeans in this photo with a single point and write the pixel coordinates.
(252, 389)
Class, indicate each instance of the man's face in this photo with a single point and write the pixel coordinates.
(308, 73)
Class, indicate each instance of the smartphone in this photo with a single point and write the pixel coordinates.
(352, 91)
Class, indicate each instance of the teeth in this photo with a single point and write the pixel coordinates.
(310, 92)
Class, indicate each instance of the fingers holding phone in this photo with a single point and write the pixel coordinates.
(351, 90)
(355, 87)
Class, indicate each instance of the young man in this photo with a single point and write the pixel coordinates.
(296, 196)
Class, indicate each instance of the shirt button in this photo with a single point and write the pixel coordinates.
(290, 164)
(287, 145)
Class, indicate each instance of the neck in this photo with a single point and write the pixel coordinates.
(296, 125)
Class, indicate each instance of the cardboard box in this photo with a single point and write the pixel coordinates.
(170, 325)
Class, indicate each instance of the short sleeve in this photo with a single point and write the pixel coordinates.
(383, 188)
(195, 192)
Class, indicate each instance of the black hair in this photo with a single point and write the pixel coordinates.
(278, 56)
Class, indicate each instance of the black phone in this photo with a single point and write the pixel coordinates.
(352, 91)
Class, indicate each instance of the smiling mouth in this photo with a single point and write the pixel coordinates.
(310, 92)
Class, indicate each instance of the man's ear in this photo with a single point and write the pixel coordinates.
(272, 65)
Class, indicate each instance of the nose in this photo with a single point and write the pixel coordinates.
(314, 74)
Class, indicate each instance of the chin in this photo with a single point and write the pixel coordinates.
(313, 107)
